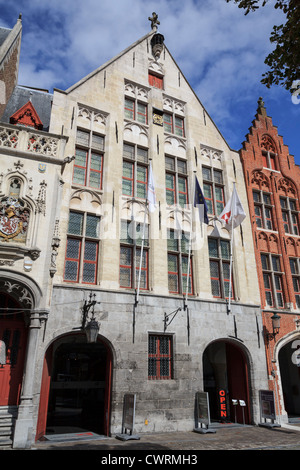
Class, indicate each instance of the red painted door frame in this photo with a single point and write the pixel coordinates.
(14, 334)
(44, 395)
(238, 383)
(45, 390)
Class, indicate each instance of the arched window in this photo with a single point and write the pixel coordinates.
(268, 152)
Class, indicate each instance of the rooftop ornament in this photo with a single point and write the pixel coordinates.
(154, 21)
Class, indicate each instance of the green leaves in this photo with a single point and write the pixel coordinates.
(284, 60)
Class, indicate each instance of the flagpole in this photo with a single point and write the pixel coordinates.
(231, 251)
(141, 258)
(190, 245)
(149, 200)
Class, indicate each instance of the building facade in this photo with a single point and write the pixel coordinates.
(272, 181)
(155, 281)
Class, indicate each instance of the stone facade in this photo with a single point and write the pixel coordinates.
(75, 183)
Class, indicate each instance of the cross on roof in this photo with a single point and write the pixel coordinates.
(154, 20)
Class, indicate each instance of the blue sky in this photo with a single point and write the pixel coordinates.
(220, 51)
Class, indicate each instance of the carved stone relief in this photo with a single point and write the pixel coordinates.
(287, 187)
(210, 153)
(261, 180)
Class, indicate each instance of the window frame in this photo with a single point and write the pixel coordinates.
(269, 160)
(263, 207)
(180, 254)
(157, 356)
(155, 80)
(290, 226)
(213, 202)
(90, 149)
(295, 272)
(83, 239)
(135, 164)
(220, 261)
(171, 126)
(275, 278)
(133, 246)
(135, 113)
(178, 177)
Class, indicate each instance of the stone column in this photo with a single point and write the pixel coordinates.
(23, 435)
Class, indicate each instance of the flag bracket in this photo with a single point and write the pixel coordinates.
(167, 322)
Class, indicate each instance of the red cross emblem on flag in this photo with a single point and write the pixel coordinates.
(226, 217)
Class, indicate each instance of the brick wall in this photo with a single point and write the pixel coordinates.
(264, 148)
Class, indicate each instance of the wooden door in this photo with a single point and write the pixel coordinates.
(13, 337)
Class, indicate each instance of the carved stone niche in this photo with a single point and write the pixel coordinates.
(15, 220)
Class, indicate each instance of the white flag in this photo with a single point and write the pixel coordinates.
(233, 213)
(151, 191)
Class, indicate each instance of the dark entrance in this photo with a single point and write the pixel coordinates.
(78, 387)
(225, 375)
(13, 338)
(289, 362)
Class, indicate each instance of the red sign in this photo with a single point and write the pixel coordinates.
(222, 398)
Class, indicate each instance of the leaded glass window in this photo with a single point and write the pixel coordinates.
(88, 164)
(178, 269)
(176, 181)
(213, 190)
(272, 280)
(131, 239)
(135, 171)
(82, 248)
(219, 261)
(160, 357)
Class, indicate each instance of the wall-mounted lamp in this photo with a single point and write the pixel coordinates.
(276, 327)
(90, 325)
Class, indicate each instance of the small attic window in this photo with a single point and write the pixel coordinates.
(155, 81)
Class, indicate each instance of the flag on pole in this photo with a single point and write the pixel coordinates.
(151, 191)
(233, 213)
(200, 202)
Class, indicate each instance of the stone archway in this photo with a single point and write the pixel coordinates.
(289, 364)
(76, 387)
(226, 379)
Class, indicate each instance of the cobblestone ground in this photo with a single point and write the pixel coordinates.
(235, 438)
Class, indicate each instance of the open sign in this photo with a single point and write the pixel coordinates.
(222, 400)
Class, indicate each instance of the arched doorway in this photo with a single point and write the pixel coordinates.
(13, 339)
(289, 363)
(76, 387)
(225, 376)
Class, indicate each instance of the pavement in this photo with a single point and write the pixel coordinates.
(234, 437)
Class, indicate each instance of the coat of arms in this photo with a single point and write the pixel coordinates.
(14, 219)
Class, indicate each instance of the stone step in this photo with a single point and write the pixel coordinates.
(6, 431)
(7, 421)
(5, 443)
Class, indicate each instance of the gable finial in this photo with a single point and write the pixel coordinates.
(154, 20)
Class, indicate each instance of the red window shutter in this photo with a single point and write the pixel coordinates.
(155, 81)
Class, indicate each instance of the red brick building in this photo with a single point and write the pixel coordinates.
(273, 183)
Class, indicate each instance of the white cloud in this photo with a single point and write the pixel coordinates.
(220, 51)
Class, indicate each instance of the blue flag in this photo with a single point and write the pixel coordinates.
(200, 202)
